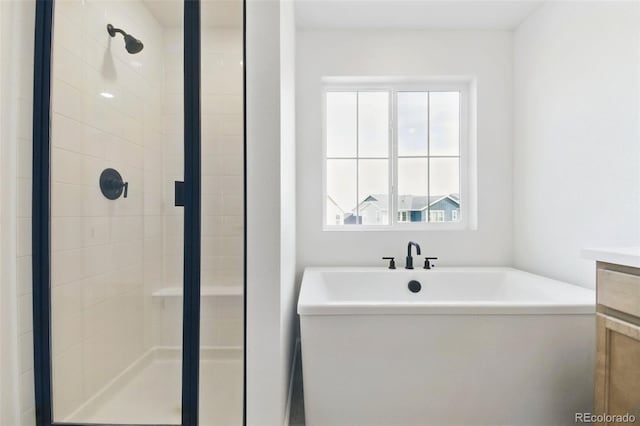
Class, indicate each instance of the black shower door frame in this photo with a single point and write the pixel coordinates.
(41, 229)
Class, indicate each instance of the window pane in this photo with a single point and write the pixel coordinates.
(373, 124)
(436, 215)
(373, 192)
(341, 192)
(444, 181)
(412, 189)
(412, 123)
(444, 122)
(341, 124)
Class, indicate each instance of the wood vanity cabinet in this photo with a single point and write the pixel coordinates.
(617, 381)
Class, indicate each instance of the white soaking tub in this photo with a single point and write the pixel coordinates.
(475, 346)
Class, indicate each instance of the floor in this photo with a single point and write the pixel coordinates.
(296, 416)
(152, 396)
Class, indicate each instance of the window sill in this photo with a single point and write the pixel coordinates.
(425, 227)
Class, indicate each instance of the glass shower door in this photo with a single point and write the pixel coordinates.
(116, 233)
(139, 206)
(222, 272)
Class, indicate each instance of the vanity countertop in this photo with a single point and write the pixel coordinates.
(627, 256)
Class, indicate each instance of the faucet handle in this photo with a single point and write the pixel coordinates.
(392, 262)
(427, 263)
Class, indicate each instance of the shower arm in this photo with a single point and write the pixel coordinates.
(113, 30)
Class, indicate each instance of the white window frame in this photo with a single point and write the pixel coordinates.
(454, 213)
(463, 85)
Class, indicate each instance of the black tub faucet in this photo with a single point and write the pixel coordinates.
(409, 263)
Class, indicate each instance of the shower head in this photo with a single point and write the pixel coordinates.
(132, 44)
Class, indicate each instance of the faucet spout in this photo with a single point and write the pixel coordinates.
(409, 260)
(413, 243)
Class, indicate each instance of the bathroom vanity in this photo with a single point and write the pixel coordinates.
(617, 381)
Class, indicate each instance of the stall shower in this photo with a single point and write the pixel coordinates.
(146, 169)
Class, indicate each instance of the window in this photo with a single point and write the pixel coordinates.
(357, 156)
(394, 155)
(436, 216)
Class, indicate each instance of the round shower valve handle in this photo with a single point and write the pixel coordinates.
(112, 185)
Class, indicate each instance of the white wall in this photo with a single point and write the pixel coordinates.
(16, 336)
(577, 135)
(264, 384)
(485, 55)
(270, 210)
(288, 295)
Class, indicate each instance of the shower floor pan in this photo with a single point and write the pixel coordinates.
(149, 392)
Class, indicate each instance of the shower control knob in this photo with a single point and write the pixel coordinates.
(112, 185)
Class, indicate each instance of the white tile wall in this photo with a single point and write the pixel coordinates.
(98, 246)
(22, 16)
(222, 186)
